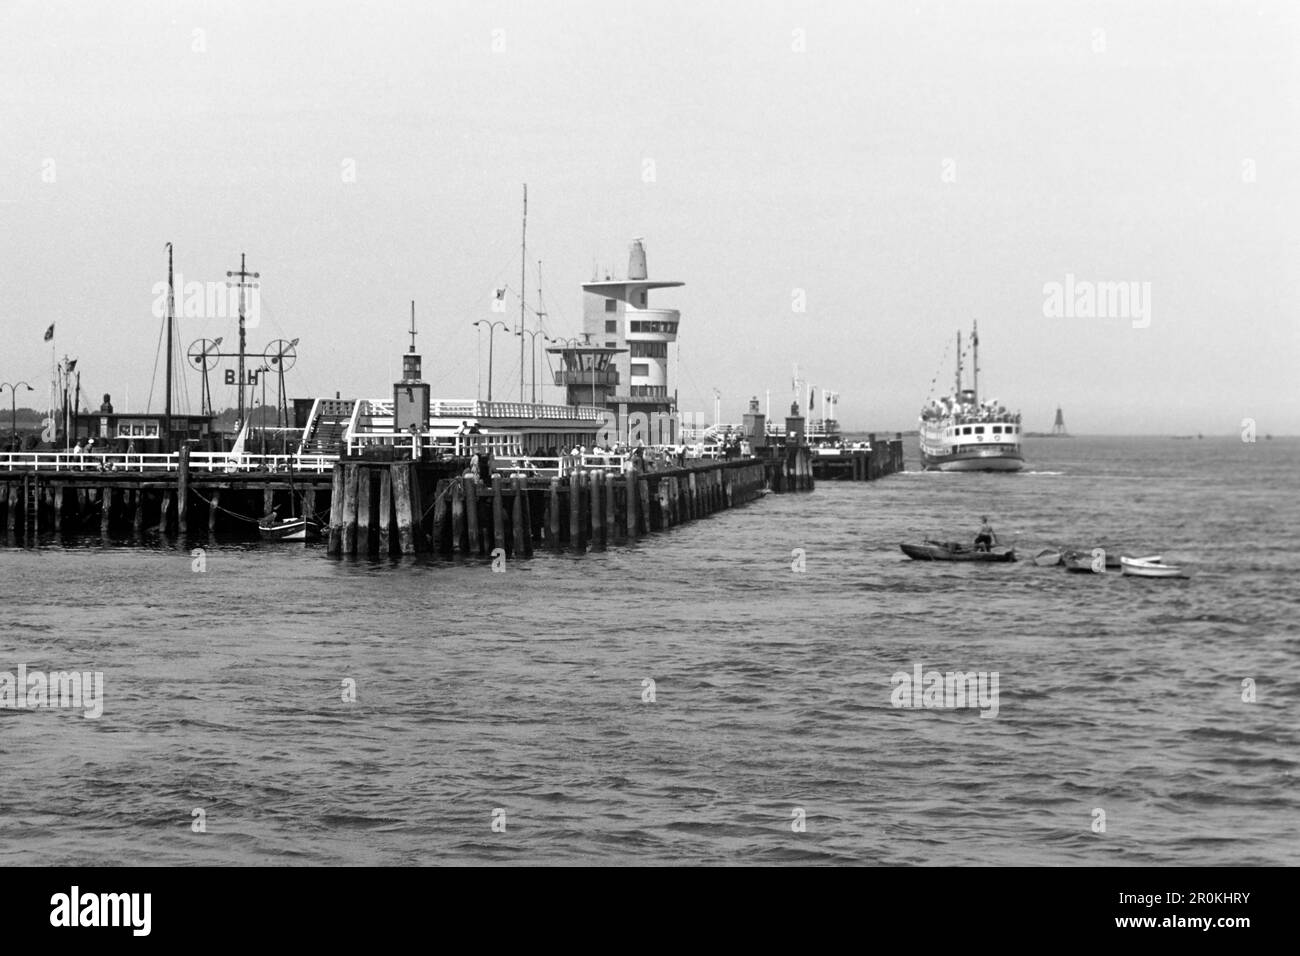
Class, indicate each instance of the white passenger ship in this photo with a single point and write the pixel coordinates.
(962, 433)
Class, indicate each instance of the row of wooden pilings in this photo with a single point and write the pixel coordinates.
(118, 503)
(854, 464)
(387, 508)
(35, 504)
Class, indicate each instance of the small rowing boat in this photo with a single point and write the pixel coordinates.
(290, 529)
(952, 551)
(1047, 558)
(1094, 563)
(1152, 567)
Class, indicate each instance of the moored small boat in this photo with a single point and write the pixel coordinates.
(952, 551)
(291, 529)
(1153, 567)
(1047, 558)
(1086, 561)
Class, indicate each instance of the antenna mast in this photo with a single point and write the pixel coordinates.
(523, 266)
(243, 283)
(975, 360)
(957, 397)
(171, 313)
(541, 315)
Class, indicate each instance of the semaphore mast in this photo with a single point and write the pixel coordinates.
(171, 315)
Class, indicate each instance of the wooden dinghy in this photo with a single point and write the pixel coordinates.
(952, 551)
(1082, 561)
(1152, 567)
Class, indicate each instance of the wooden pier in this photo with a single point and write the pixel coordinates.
(404, 508)
(398, 507)
(177, 500)
(885, 457)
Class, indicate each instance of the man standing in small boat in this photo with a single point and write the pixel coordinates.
(986, 539)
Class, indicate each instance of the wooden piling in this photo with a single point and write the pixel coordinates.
(401, 476)
(528, 517)
(575, 509)
(441, 515)
(213, 508)
(630, 510)
(335, 543)
(365, 510)
(385, 511)
(472, 515)
(597, 512)
(350, 488)
(611, 507)
(167, 504)
(183, 490)
(643, 503)
(517, 516)
(498, 515)
(553, 513)
(458, 542)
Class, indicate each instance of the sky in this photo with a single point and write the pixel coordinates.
(844, 186)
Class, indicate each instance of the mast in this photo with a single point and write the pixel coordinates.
(523, 266)
(171, 312)
(541, 315)
(243, 283)
(975, 360)
(957, 394)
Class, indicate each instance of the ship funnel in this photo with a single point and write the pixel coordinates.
(636, 268)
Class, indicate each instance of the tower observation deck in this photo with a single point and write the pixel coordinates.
(617, 316)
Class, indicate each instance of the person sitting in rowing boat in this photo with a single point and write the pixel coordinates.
(986, 539)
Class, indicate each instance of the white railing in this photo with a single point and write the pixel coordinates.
(208, 461)
(538, 466)
(531, 466)
(469, 408)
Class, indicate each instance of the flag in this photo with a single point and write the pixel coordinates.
(501, 292)
(49, 333)
(72, 363)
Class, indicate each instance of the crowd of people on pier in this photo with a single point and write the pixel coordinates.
(618, 456)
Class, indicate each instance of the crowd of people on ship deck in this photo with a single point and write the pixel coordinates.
(991, 410)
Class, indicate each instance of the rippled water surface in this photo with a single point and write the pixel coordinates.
(523, 691)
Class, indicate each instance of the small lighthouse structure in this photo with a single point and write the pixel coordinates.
(1058, 427)
(411, 394)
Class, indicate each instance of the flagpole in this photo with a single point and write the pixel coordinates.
(54, 390)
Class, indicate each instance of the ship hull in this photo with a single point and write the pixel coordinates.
(974, 461)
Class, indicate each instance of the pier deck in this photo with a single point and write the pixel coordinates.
(398, 507)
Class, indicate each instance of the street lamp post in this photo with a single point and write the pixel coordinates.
(13, 404)
(533, 352)
(491, 331)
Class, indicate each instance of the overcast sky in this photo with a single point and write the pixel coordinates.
(899, 168)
